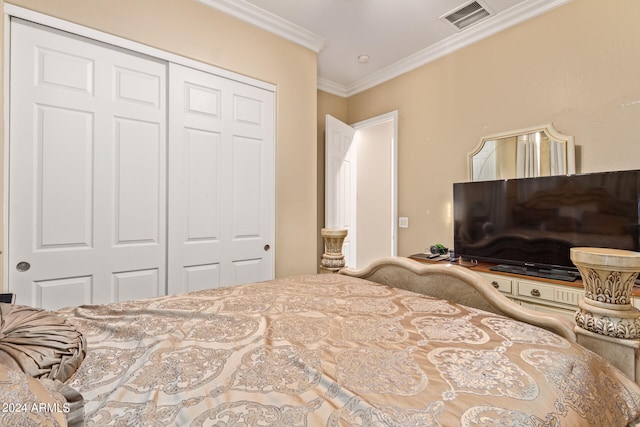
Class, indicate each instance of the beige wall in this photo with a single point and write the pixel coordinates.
(576, 66)
(191, 29)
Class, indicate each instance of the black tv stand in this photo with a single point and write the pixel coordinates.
(545, 273)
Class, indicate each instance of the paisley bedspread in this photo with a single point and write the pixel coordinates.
(330, 350)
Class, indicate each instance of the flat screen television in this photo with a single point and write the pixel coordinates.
(528, 225)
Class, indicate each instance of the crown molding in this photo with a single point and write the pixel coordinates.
(267, 21)
(261, 18)
(329, 86)
(510, 17)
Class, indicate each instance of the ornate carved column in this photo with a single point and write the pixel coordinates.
(608, 276)
(332, 258)
(608, 324)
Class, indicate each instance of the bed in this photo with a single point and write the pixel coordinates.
(361, 348)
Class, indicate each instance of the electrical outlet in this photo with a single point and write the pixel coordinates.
(403, 222)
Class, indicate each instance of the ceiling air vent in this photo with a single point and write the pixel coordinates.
(467, 15)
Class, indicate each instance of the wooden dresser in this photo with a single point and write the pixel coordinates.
(545, 295)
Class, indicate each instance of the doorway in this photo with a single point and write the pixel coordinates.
(368, 207)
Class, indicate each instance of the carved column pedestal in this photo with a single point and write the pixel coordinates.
(332, 258)
(608, 324)
(608, 276)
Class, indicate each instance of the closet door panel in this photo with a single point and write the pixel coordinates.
(221, 181)
(202, 163)
(198, 277)
(64, 152)
(248, 271)
(247, 188)
(252, 129)
(87, 170)
(204, 101)
(137, 284)
(64, 292)
(138, 87)
(196, 183)
(66, 71)
(137, 171)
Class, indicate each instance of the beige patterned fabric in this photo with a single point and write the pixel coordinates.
(39, 343)
(332, 350)
(26, 401)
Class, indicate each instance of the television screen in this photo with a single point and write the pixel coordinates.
(535, 221)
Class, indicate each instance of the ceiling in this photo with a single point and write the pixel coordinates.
(396, 35)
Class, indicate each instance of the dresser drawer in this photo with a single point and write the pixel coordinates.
(535, 290)
(551, 293)
(501, 283)
(568, 313)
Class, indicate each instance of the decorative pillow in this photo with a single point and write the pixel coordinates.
(39, 343)
(27, 402)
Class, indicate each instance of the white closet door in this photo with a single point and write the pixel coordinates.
(221, 190)
(87, 171)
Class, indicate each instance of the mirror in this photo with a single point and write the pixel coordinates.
(530, 152)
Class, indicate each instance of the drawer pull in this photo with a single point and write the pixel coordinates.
(535, 292)
(495, 284)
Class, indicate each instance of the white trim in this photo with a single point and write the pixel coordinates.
(329, 86)
(39, 18)
(391, 116)
(268, 21)
(501, 21)
(5, 198)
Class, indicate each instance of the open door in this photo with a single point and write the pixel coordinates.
(340, 183)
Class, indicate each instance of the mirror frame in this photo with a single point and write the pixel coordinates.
(567, 140)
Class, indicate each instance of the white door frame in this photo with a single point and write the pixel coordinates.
(10, 11)
(391, 116)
